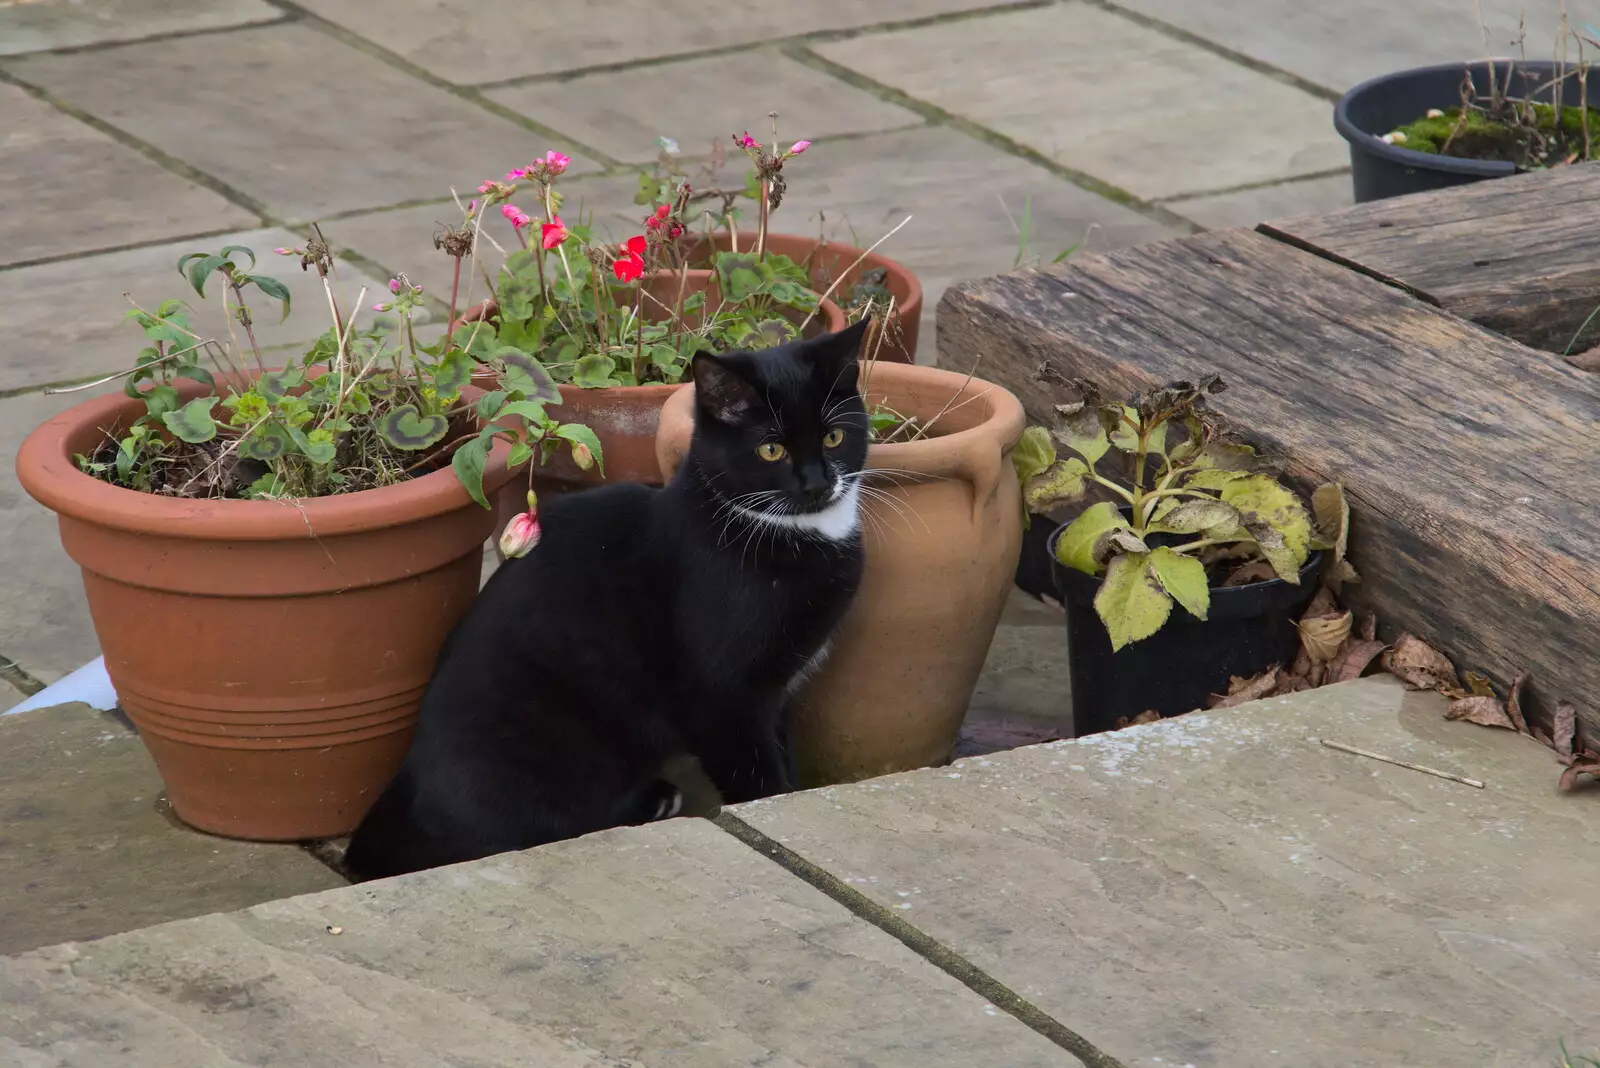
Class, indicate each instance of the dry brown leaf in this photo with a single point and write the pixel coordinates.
(1321, 636)
(1369, 628)
(1241, 689)
(1566, 727)
(1484, 711)
(1354, 660)
(1514, 704)
(1588, 360)
(1421, 666)
(1288, 684)
(1323, 604)
(1149, 715)
(1479, 685)
(1569, 778)
(1254, 571)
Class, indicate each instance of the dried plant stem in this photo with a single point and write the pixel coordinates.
(122, 374)
(846, 272)
(923, 430)
(244, 321)
(1341, 747)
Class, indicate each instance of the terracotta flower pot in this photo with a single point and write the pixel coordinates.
(892, 694)
(272, 655)
(624, 418)
(827, 260)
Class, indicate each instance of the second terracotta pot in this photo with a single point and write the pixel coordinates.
(941, 551)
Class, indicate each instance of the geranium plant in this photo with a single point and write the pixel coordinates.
(1191, 510)
(359, 410)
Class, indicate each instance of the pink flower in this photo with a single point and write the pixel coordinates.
(487, 187)
(656, 221)
(746, 142)
(555, 163)
(631, 265)
(552, 233)
(799, 147)
(520, 535)
(394, 285)
(515, 215)
(516, 174)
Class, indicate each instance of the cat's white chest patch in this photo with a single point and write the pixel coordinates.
(810, 667)
(840, 521)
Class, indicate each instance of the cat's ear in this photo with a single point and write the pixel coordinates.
(720, 392)
(837, 353)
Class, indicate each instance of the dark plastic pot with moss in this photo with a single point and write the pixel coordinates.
(1246, 630)
(1372, 109)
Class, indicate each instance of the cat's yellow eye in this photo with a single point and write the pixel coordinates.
(833, 438)
(770, 451)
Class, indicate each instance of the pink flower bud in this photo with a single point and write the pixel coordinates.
(516, 174)
(287, 251)
(520, 535)
(515, 215)
(555, 163)
(380, 306)
(394, 285)
(582, 456)
(799, 147)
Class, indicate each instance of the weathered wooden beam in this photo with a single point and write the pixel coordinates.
(1471, 462)
(1518, 255)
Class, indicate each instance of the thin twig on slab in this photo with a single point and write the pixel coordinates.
(1401, 763)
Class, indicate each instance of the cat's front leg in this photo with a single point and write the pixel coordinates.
(746, 765)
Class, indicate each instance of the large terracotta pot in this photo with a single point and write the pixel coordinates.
(272, 655)
(624, 418)
(827, 260)
(892, 694)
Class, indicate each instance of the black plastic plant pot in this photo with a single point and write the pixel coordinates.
(1034, 576)
(1372, 109)
(1246, 630)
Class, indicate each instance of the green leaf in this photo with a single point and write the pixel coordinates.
(1131, 601)
(193, 422)
(1078, 427)
(267, 485)
(786, 292)
(1211, 479)
(521, 453)
(578, 434)
(1264, 503)
(317, 445)
(516, 296)
(1033, 453)
(266, 443)
(1226, 456)
(275, 385)
(195, 373)
(1213, 519)
(523, 335)
(532, 411)
(594, 371)
(739, 275)
(529, 377)
(159, 400)
(488, 405)
(1183, 578)
(468, 463)
(199, 269)
(272, 288)
(407, 428)
(770, 333)
(229, 250)
(1077, 544)
(1060, 483)
(451, 375)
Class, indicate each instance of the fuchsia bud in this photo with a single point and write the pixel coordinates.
(799, 147)
(582, 456)
(521, 534)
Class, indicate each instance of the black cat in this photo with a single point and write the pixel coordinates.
(646, 623)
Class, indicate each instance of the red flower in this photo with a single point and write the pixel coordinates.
(656, 221)
(631, 265)
(552, 233)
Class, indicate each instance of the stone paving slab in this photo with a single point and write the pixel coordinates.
(1218, 890)
(301, 122)
(1336, 46)
(1102, 94)
(63, 321)
(70, 188)
(668, 945)
(1248, 207)
(44, 625)
(473, 45)
(85, 853)
(37, 25)
(622, 112)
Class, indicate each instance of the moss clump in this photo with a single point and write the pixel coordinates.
(1509, 137)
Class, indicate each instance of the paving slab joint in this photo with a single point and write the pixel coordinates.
(19, 677)
(938, 116)
(921, 943)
